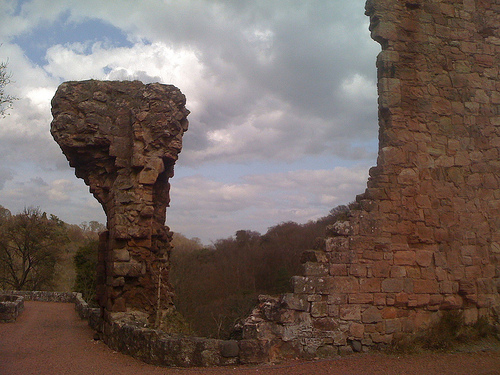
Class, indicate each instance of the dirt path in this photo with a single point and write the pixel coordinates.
(49, 338)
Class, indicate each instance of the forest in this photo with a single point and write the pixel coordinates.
(216, 286)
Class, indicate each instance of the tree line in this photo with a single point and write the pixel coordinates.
(218, 285)
(215, 285)
(40, 252)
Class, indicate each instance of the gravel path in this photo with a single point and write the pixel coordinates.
(49, 338)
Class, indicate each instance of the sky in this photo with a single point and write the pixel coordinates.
(282, 94)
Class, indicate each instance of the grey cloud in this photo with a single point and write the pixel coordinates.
(6, 174)
(260, 200)
(260, 58)
(124, 75)
(309, 49)
(38, 182)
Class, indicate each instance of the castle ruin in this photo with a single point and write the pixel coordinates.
(423, 239)
(123, 139)
(425, 236)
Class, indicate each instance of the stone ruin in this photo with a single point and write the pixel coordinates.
(123, 139)
(425, 236)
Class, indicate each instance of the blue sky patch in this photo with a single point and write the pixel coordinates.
(63, 31)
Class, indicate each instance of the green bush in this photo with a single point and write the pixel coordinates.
(448, 333)
(85, 261)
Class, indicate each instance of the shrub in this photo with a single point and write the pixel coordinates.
(446, 334)
(85, 261)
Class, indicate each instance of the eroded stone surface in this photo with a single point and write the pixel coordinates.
(425, 235)
(123, 139)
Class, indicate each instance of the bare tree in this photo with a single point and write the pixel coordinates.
(30, 244)
(5, 99)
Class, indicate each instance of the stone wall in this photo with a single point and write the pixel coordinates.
(11, 306)
(123, 139)
(425, 236)
(146, 344)
(42, 295)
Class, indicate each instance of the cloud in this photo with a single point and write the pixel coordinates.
(65, 198)
(239, 65)
(211, 209)
(36, 189)
(270, 84)
(6, 174)
(24, 134)
(230, 120)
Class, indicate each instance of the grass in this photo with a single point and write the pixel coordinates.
(449, 333)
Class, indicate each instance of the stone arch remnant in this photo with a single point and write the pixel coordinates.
(123, 139)
(425, 236)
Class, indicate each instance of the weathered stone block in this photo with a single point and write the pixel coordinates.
(254, 351)
(324, 285)
(425, 286)
(121, 255)
(303, 285)
(319, 309)
(381, 269)
(405, 258)
(296, 301)
(315, 269)
(121, 268)
(397, 271)
(11, 306)
(229, 348)
(338, 269)
(356, 330)
(359, 270)
(360, 298)
(451, 302)
(392, 285)
(381, 338)
(345, 285)
(340, 228)
(371, 315)
(370, 285)
(350, 312)
(423, 258)
(323, 324)
(338, 243)
(336, 298)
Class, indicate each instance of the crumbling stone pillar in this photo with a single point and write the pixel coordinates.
(425, 235)
(123, 139)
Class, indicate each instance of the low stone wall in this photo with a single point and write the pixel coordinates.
(155, 346)
(42, 295)
(91, 314)
(158, 348)
(11, 306)
(149, 345)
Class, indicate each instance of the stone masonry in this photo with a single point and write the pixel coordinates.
(425, 236)
(123, 139)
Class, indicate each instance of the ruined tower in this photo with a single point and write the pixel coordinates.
(123, 139)
(425, 236)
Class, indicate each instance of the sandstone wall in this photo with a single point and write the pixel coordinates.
(123, 139)
(11, 307)
(426, 234)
